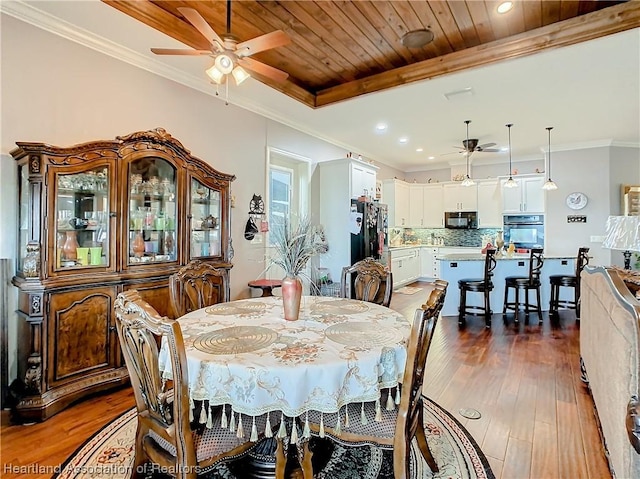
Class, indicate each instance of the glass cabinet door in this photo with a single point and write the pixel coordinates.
(205, 221)
(152, 211)
(82, 219)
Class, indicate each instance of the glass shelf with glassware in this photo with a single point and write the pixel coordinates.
(152, 211)
(82, 227)
(205, 239)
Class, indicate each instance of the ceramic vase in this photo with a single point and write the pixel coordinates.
(499, 242)
(137, 246)
(70, 245)
(291, 296)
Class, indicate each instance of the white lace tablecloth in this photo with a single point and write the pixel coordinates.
(245, 354)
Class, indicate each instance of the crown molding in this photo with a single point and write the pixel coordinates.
(52, 24)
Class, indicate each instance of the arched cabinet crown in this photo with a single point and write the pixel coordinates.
(96, 219)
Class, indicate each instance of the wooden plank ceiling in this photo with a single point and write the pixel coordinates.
(342, 49)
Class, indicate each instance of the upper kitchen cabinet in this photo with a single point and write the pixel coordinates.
(489, 204)
(527, 197)
(416, 206)
(460, 198)
(363, 179)
(395, 193)
(96, 219)
(433, 211)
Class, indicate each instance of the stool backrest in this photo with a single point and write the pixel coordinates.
(489, 265)
(582, 260)
(536, 260)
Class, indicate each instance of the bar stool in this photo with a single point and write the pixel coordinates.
(482, 285)
(525, 283)
(568, 281)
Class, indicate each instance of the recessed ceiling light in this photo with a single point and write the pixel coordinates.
(381, 127)
(417, 38)
(403, 140)
(432, 157)
(419, 150)
(504, 7)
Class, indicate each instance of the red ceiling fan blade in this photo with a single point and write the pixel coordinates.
(177, 51)
(203, 27)
(263, 42)
(263, 69)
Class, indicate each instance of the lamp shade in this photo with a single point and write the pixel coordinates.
(623, 233)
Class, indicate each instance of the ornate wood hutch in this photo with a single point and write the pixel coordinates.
(96, 219)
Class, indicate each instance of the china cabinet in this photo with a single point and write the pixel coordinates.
(96, 219)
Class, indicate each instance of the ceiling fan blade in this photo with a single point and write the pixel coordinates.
(177, 51)
(485, 145)
(202, 26)
(487, 150)
(263, 42)
(263, 69)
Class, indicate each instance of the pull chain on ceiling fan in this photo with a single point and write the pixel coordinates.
(467, 181)
(229, 56)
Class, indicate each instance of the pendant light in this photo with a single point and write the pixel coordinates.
(510, 183)
(549, 184)
(467, 181)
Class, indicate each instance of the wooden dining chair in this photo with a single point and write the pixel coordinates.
(370, 281)
(164, 435)
(196, 285)
(400, 426)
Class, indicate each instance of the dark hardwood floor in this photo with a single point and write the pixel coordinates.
(537, 416)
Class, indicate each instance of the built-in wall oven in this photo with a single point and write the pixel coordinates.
(525, 231)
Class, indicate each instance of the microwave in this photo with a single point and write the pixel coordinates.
(461, 220)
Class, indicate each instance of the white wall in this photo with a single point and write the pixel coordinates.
(58, 92)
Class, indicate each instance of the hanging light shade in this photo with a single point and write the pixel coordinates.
(549, 184)
(510, 183)
(467, 180)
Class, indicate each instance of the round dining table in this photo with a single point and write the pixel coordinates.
(243, 354)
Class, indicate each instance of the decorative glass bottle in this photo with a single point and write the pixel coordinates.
(70, 245)
(137, 246)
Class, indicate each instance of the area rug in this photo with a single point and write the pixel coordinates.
(109, 454)
(408, 290)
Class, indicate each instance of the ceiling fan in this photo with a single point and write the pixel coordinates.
(231, 57)
(470, 145)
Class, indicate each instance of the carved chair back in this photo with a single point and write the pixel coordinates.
(489, 265)
(196, 285)
(581, 261)
(410, 411)
(536, 261)
(373, 282)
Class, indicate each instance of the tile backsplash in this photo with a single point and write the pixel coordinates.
(450, 237)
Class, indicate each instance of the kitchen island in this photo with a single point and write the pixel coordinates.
(454, 267)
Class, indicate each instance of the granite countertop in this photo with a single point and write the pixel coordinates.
(425, 245)
(480, 257)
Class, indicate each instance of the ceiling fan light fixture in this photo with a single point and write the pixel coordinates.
(215, 74)
(239, 74)
(549, 185)
(224, 63)
(417, 38)
(504, 7)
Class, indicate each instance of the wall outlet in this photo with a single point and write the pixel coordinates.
(596, 239)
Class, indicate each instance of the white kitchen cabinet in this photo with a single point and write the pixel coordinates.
(460, 198)
(396, 195)
(363, 180)
(433, 206)
(416, 206)
(528, 197)
(489, 204)
(337, 188)
(428, 262)
(405, 265)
